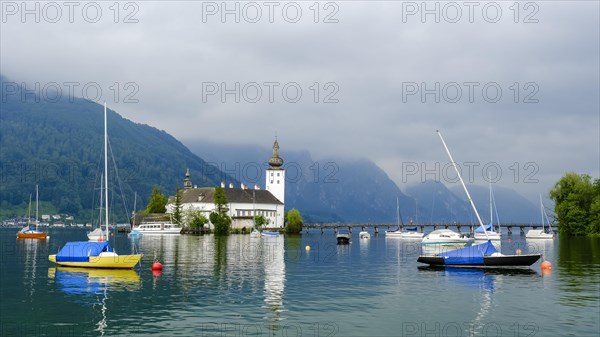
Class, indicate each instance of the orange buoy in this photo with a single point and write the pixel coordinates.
(157, 266)
(546, 266)
(100, 239)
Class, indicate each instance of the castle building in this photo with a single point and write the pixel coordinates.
(244, 203)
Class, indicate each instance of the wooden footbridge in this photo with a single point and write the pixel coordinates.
(377, 227)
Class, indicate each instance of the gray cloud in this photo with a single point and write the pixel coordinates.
(370, 56)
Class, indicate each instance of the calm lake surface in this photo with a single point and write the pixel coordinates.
(239, 286)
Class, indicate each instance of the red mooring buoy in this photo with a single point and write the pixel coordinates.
(546, 266)
(157, 266)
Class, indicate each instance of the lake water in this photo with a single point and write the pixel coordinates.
(239, 286)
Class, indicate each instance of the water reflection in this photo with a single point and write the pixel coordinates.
(274, 267)
(92, 286)
(28, 248)
(579, 271)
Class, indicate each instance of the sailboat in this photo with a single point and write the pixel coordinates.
(541, 234)
(408, 233)
(95, 254)
(491, 234)
(480, 255)
(97, 234)
(27, 232)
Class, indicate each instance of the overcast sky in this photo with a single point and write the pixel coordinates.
(371, 62)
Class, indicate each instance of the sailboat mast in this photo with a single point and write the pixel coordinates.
(106, 173)
(397, 213)
(37, 199)
(491, 214)
(463, 183)
(29, 212)
(542, 212)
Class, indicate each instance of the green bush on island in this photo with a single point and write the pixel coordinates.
(260, 221)
(293, 221)
(577, 204)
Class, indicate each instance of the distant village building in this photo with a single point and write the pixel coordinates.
(244, 203)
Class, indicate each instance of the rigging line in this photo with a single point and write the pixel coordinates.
(118, 178)
(495, 209)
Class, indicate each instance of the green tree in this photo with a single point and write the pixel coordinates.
(260, 221)
(157, 202)
(594, 217)
(576, 204)
(219, 217)
(177, 216)
(194, 218)
(293, 221)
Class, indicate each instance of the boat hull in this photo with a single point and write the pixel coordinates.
(538, 234)
(109, 262)
(32, 235)
(343, 239)
(494, 236)
(488, 261)
(404, 235)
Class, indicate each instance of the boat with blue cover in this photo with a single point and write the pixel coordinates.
(93, 255)
(87, 254)
(480, 255)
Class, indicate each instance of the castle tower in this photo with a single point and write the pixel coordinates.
(276, 175)
(187, 182)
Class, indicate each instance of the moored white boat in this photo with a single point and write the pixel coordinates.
(541, 233)
(364, 235)
(407, 233)
(96, 235)
(255, 233)
(538, 234)
(489, 233)
(269, 233)
(158, 228)
(342, 238)
(446, 237)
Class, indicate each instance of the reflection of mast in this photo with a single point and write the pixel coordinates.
(101, 325)
(274, 265)
(487, 289)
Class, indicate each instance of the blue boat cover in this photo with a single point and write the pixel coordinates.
(411, 229)
(80, 251)
(472, 255)
(487, 228)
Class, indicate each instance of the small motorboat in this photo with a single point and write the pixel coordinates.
(343, 238)
(269, 233)
(255, 234)
(364, 235)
